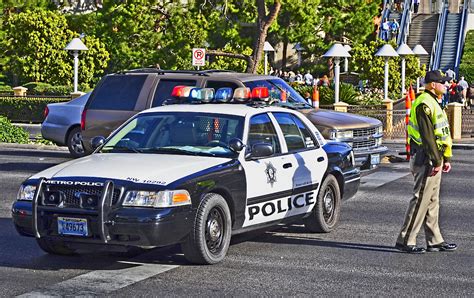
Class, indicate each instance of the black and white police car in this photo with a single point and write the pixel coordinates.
(193, 174)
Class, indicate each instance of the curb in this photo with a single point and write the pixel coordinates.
(33, 146)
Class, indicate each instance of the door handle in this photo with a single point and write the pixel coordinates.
(320, 159)
(287, 165)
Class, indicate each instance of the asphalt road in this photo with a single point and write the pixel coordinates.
(357, 259)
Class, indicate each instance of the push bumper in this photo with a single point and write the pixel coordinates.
(370, 158)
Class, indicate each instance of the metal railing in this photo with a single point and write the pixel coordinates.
(462, 35)
(405, 22)
(437, 49)
(385, 14)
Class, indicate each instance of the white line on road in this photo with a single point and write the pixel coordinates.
(101, 282)
(378, 179)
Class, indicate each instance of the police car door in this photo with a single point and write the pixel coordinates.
(269, 179)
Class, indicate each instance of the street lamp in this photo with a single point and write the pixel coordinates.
(337, 51)
(404, 50)
(346, 60)
(267, 47)
(386, 51)
(75, 46)
(419, 50)
(298, 48)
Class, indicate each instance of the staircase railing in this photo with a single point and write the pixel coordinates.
(436, 51)
(385, 14)
(405, 22)
(462, 36)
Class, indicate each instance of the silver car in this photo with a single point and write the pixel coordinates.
(63, 124)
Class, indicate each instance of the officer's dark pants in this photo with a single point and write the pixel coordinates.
(424, 206)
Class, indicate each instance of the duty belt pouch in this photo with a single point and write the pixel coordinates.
(419, 154)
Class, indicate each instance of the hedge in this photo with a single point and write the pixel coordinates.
(26, 109)
(12, 134)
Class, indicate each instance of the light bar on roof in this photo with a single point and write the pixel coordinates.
(260, 93)
(223, 95)
(241, 94)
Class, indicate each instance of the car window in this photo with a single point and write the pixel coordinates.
(181, 133)
(220, 84)
(118, 92)
(165, 87)
(261, 130)
(297, 136)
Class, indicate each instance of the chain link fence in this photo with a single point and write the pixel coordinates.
(467, 126)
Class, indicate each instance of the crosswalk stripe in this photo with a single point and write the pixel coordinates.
(378, 179)
(101, 281)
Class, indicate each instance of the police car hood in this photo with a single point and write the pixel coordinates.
(140, 168)
(339, 120)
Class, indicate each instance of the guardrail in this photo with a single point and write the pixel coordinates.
(405, 22)
(436, 51)
(462, 36)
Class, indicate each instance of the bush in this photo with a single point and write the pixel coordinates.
(12, 134)
(5, 89)
(37, 88)
(26, 109)
(466, 68)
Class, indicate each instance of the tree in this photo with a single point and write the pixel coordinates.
(35, 41)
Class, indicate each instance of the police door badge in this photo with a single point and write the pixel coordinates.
(271, 173)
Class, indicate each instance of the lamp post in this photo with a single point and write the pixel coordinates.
(346, 60)
(298, 48)
(419, 50)
(404, 50)
(337, 51)
(267, 47)
(386, 51)
(75, 46)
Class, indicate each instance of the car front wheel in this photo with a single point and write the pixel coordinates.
(209, 240)
(325, 215)
(74, 143)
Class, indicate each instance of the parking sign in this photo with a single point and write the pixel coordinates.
(199, 57)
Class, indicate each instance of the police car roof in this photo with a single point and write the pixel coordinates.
(213, 108)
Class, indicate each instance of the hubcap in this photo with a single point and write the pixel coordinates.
(76, 143)
(214, 230)
(328, 202)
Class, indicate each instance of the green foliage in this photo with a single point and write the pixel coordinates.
(5, 89)
(37, 88)
(39, 140)
(372, 68)
(34, 42)
(12, 134)
(26, 109)
(466, 68)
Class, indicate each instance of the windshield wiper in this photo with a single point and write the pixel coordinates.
(121, 149)
(175, 151)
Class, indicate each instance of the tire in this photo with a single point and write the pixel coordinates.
(54, 247)
(74, 143)
(209, 239)
(325, 215)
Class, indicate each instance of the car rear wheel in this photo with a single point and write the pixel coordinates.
(54, 247)
(325, 215)
(74, 142)
(209, 240)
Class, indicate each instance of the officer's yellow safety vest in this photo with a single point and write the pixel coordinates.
(439, 120)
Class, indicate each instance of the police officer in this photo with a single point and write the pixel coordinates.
(430, 143)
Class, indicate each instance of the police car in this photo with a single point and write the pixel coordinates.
(193, 174)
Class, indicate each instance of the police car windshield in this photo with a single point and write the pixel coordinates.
(177, 133)
(281, 92)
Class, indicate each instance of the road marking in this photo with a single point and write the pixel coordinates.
(378, 179)
(101, 282)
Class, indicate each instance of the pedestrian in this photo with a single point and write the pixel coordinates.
(465, 86)
(451, 73)
(416, 5)
(430, 151)
(324, 81)
(385, 30)
(308, 78)
(394, 26)
(455, 92)
(307, 97)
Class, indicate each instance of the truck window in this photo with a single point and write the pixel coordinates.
(118, 92)
(165, 87)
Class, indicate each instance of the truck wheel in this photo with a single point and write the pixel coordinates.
(209, 240)
(54, 247)
(74, 142)
(325, 215)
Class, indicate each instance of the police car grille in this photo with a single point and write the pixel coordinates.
(363, 132)
(363, 144)
(71, 200)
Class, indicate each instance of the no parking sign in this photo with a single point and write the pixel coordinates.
(199, 57)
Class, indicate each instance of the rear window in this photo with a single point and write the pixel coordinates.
(118, 92)
(165, 87)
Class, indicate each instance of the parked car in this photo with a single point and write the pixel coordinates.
(62, 124)
(192, 175)
(119, 96)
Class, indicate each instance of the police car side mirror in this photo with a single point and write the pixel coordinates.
(236, 145)
(261, 150)
(96, 142)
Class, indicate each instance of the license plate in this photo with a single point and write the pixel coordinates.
(375, 159)
(72, 226)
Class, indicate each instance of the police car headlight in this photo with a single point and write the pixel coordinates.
(26, 193)
(160, 199)
(341, 134)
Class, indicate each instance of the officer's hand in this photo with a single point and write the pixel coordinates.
(435, 170)
(446, 167)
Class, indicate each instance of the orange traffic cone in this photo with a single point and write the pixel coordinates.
(407, 120)
(315, 97)
(412, 93)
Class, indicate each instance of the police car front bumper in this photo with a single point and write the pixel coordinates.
(123, 226)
